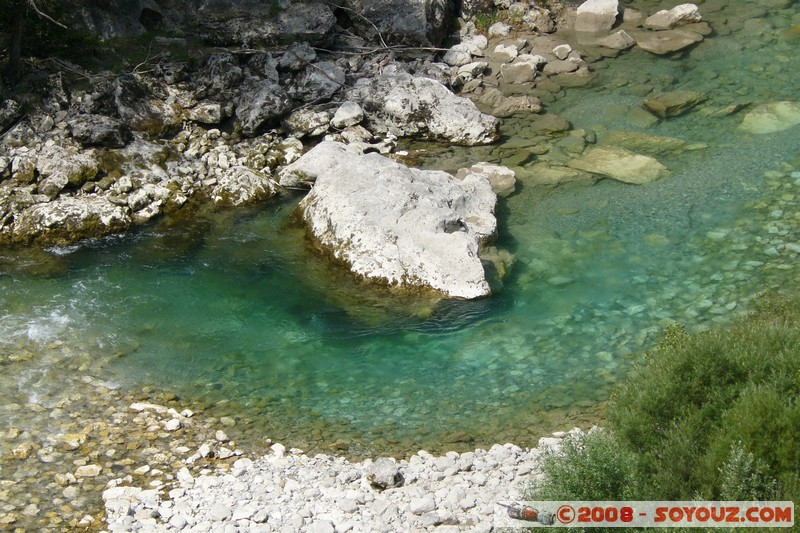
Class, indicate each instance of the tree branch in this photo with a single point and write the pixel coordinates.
(32, 4)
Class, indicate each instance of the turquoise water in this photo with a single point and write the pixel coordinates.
(234, 307)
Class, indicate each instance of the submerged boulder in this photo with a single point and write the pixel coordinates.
(772, 117)
(395, 224)
(620, 164)
(404, 105)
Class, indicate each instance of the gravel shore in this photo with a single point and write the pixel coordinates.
(289, 491)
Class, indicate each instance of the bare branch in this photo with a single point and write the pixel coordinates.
(377, 31)
(32, 4)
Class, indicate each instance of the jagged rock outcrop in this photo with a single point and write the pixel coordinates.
(404, 105)
(417, 22)
(396, 224)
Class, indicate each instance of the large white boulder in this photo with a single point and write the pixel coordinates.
(404, 105)
(595, 16)
(397, 224)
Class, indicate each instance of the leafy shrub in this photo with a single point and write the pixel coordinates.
(709, 416)
(593, 467)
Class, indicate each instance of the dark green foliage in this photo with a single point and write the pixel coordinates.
(713, 416)
(591, 468)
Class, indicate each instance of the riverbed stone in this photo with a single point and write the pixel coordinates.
(771, 117)
(673, 103)
(424, 229)
(620, 164)
(667, 41)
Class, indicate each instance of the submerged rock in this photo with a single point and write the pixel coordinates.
(620, 164)
(673, 103)
(400, 225)
(666, 42)
(772, 117)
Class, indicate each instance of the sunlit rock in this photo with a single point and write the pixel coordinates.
(620, 164)
(594, 16)
(395, 224)
(404, 105)
(666, 19)
(772, 117)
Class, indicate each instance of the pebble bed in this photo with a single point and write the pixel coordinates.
(289, 491)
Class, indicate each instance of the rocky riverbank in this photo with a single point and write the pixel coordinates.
(287, 490)
(97, 153)
(107, 152)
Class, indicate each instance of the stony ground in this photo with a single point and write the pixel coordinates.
(290, 491)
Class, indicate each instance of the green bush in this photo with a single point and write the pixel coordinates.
(593, 467)
(709, 416)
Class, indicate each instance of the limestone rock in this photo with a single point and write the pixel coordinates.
(673, 103)
(620, 40)
(74, 166)
(307, 121)
(423, 229)
(403, 105)
(665, 42)
(239, 185)
(207, 113)
(415, 22)
(499, 29)
(666, 19)
(620, 164)
(639, 141)
(384, 474)
(500, 105)
(318, 82)
(348, 114)
(261, 103)
(69, 218)
(524, 69)
(457, 55)
(595, 16)
(221, 72)
(297, 57)
(260, 23)
(100, 130)
(10, 112)
(502, 179)
(545, 173)
(772, 117)
(142, 111)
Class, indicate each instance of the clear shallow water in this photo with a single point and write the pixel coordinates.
(235, 308)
